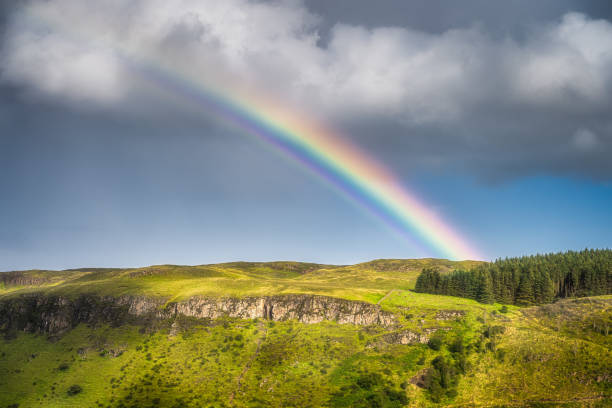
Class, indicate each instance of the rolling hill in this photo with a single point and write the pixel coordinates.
(282, 334)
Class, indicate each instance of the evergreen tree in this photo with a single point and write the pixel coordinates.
(524, 293)
(484, 290)
(528, 280)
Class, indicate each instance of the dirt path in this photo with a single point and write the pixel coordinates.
(386, 296)
(264, 329)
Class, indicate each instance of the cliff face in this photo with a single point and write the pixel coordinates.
(55, 314)
(303, 308)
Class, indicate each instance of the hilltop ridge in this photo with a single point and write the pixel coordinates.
(368, 281)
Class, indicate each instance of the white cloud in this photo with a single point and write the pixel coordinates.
(51, 64)
(487, 96)
(66, 48)
(569, 61)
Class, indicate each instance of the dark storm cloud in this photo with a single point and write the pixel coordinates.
(436, 16)
(498, 89)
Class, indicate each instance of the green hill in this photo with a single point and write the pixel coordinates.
(250, 334)
(367, 281)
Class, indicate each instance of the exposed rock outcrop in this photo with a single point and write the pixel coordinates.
(406, 337)
(55, 314)
(450, 315)
(411, 337)
(303, 308)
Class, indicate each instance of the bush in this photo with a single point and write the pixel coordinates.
(457, 346)
(462, 363)
(441, 380)
(74, 389)
(369, 380)
(435, 343)
(504, 309)
(370, 390)
(63, 367)
(396, 396)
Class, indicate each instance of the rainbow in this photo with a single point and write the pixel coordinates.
(342, 164)
(337, 161)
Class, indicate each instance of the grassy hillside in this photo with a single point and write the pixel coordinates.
(489, 356)
(368, 281)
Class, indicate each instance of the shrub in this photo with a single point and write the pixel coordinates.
(462, 363)
(441, 380)
(369, 380)
(504, 309)
(74, 389)
(457, 346)
(435, 343)
(394, 395)
(63, 367)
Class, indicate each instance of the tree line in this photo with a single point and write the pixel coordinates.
(528, 280)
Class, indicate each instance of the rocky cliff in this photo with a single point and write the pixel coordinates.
(55, 314)
(303, 308)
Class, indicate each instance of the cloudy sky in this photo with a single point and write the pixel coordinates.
(495, 114)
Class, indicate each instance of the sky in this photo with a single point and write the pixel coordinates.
(495, 115)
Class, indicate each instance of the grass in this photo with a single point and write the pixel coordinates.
(199, 366)
(553, 355)
(544, 359)
(368, 281)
